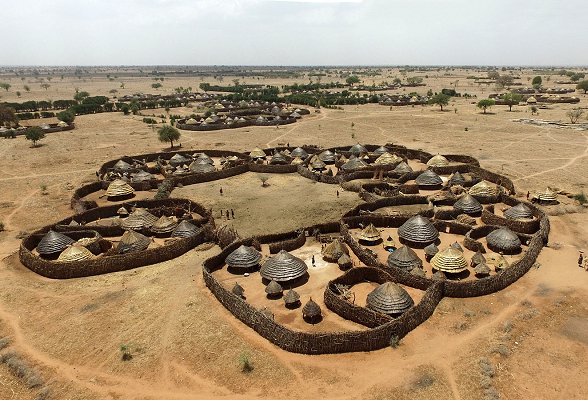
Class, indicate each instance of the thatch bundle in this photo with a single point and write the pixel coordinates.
(484, 189)
(299, 152)
(311, 311)
(257, 153)
(428, 178)
(164, 225)
(283, 267)
(482, 270)
(520, 211)
(238, 290)
(450, 261)
(403, 168)
(389, 298)
(75, 253)
(503, 240)
(467, 204)
(334, 250)
(139, 219)
(418, 229)
(327, 157)
(404, 258)
(274, 289)
(243, 258)
(185, 229)
(370, 234)
(381, 150)
(354, 164)
(132, 241)
(291, 298)
(52, 243)
(456, 179)
(357, 150)
(119, 188)
(388, 159)
(438, 161)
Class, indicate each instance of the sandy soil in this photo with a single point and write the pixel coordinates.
(528, 341)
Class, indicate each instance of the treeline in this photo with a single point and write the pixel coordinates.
(309, 99)
(207, 87)
(313, 86)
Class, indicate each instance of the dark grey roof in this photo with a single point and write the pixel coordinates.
(467, 204)
(283, 267)
(404, 258)
(418, 229)
(244, 257)
(389, 298)
(428, 178)
(53, 242)
(519, 211)
(503, 239)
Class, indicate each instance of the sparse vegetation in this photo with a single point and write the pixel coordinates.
(583, 86)
(67, 116)
(575, 115)
(440, 99)
(21, 369)
(34, 134)
(512, 99)
(485, 104)
(245, 362)
(168, 133)
(581, 198)
(125, 352)
(263, 178)
(5, 86)
(394, 341)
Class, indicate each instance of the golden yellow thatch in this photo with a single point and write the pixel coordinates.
(449, 260)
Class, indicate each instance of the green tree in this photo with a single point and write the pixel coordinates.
(168, 133)
(34, 134)
(414, 80)
(67, 116)
(485, 103)
(80, 96)
(512, 99)
(583, 86)
(7, 116)
(353, 79)
(5, 86)
(575, 114)
(537, 81)
(134, 107)
(156, 85)
(27, 88)
(440, 99)
(504, 80)
(577, 76)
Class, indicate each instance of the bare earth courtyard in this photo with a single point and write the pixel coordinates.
(527, 341)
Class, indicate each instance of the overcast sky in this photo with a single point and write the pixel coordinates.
(295, 32)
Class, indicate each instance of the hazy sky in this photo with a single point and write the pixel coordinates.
(294, 32)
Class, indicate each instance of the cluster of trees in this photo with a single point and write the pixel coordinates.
(237, 88)
(312, 86)
(574, 76)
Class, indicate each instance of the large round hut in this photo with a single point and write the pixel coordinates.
(139, 219)
(358, 150)
(244, 258)
(520, 211)
(418, 230)
(132, 241)
(467, 204)
(389, 298)
(283, 267)
(438, 161)
(119, 190)
(53, 243)
(429, 180)
(370, 235)
(449, 261)
(404, 258)
(185, 229)
(334, 250)
(503, 240)
(75, 253)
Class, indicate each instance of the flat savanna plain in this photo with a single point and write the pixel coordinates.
(528, 341)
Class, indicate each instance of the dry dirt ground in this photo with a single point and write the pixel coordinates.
(527, 342)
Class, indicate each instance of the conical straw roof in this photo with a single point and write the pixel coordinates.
(403, 168)
(122, 212)
(370, 234)
(278, 159)
(388, 159)
(477, 258)
(484, 188)
(482, 269)
(450, 261)
(164, 225)
(121, 165)
(299, 152)
(118, 188)
(311, 310)
(334, 250)
(327, 156)
(178, 159)
(456, 179)
(431, 249)
(381, 150)
(243, 257)
(357, 149)
(141, 176)
(404, 258)
(185, 229)
(318, 165)
(201, 167)
(520, 211)
(418, 229)
(53, 242)
(297, 161)
(132, 241)
(428, 178)
(389, 243)
(139, 219)
(354, 164)
(503, 239)
(202, 157)
(467, 204)
(283, 267)
(456, 246)
(465, 219)
(291, 297)
(344, 261)
(547, 195)
(257, 153)
(274, 288)
(438, 161)
(389, 298)
(75, 253)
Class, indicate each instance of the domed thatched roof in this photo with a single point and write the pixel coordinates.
(139, 219)
(75, 253)
(467, 204)
(119, 188)
(121, 165)
(389, 298)
(431, 250)
(257, 153)
(203, 158)
(53, 242)
(191, 121)
(403, 168)
(311, 310)
(388, 159)
(274, 288)
(531, 100)
(370, 234)
(354, 164)
(283, 267)
(243, 257)
(438, 161)
(381, 150)
(141, 176)
(482, 269)
(428, 178)
(404, 258)
(132, 241)
(389, 243)
(503, 239)
(484, 189)
(334, 250)
(477, 258)
(547, 195)
(357, 149)
(299, 152)
(291, 297)
(238, 290)
(456, 179)
(122, 212)
(327, 156)
(297, 161)
(456, 246)
(178, 159)
(318, 165)
(418, 229)
(520, 211)
(344, 261)
(450, 261)
(185, 229)
(201, 167)
(278, 159)
(164, 225)
(418, 272)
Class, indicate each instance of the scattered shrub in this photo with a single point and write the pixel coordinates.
(245, 362)
(19, 368)
(394, 341)
(4, 342)
(581, 198)
(125, 352)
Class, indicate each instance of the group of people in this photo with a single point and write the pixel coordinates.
(228, 214)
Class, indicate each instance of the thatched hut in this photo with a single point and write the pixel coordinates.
(119, 190)
(201, 167)
(164, 225)
(358, 150)
(132, 241)
(121, 166)
(53, 243)
(122, 212)
(334, 250)
(139, 219)
(418, 230)
(354, 164)
(299, 152)
(178, 159)
(238, 290)
(429, 180)
(403, 168)
(503, 240)
(318, 165)
(283, 267)
(520, 211)
(243, 258)
(430, 251)
(484, 189)
(75, 253)
(257, 154)
(291, 299)
(418, 272)
(388, 159)
(547, 196)
(203, 158)
(467, 204)
(327, 156)
(456, 246)
(297, 161)
(274, 290)
(381, 150)
(344, 262)
(389, 243)
(456, 179)
(449, 261)
(278, 159)
(438, 161)
(311, 312)
(141, 176)
(482, 270)
(370, 235)
(389, 298)
(185, 229)
(477, 258)
(404, 258)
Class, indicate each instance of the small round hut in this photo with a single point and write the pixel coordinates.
(449, 261)
(438, 161)
(311, 312)
(429, 180)
(244, 258)
(370, 235)
(132, 241)
(119, 190)
(334, 250)
(404, 258)
(467, 204)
